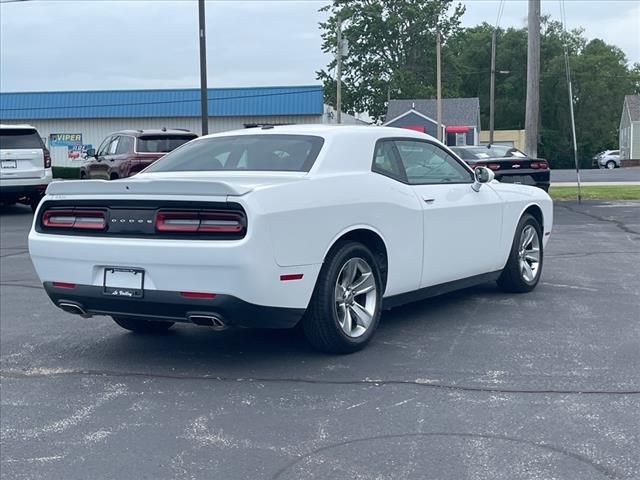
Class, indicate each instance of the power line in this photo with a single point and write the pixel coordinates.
(500, 12)
(261, 95)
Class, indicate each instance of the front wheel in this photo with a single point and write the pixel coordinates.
(524, 266)
(345, 307)
(142, 326)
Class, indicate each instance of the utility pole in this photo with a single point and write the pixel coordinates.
(438, 86)
(532, 112)
(492, 93)
(204, 104)
(339, 73)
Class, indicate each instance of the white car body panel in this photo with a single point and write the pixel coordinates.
(293, 221)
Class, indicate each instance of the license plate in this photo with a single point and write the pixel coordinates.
(123, 282)
(8, 164)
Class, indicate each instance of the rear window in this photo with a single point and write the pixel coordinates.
(161, 143)
(19, 138)
(273, 152)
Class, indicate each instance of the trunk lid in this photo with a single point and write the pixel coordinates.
(175, 183)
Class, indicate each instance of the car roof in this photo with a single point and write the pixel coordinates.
(328, 131)
(20, 126)
(156, 131)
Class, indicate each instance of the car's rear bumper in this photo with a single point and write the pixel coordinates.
(16, 188)
(172, 306)
(535, 178)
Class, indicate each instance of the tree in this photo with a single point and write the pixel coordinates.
(392, 49)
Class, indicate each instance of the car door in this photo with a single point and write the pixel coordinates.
(95, 165)
(462, 227)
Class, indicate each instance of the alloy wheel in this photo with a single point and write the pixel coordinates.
(529, 253)
(356, 297)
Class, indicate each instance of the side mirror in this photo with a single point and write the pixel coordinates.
(482, 175)
(91, 152)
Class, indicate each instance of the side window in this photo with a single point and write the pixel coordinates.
(113, 146)
(125, 145)
(385, 160)
(102, 149)
(426, 163)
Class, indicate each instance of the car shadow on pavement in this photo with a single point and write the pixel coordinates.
(188, 350)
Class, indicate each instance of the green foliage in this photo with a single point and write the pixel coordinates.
(392, 55)
(392, 49)
(65, 172)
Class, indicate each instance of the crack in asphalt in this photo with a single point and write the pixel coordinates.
(22, 374)
(588, 254)
(14, 284)
(14, 254)
(618, 223)
(606, 471)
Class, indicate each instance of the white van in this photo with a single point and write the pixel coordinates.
(25, 165)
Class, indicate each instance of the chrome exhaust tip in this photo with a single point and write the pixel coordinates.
(74, 308)
(208, 320)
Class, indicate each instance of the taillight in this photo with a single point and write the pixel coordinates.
(207, 221)
(47, 158)
(539, 165)
(75, 219)
(493, 166)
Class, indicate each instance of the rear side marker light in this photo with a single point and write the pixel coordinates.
(199, 221)
(494, 166)
(197, 295)
(64, 285)
(291, 276)
(75, 219)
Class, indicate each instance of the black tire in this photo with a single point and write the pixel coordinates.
(83, 175)
(611, 164)
(512, 279)
(320, 323)
(34, 202)
(142, 326)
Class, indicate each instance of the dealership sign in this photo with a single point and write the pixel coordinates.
(73, 142)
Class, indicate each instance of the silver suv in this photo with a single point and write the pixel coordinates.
(25, 165)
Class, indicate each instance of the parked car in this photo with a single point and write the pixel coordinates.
(125, 153)
(25, 165)
(509, 164)
(324, 225)
(609, 159)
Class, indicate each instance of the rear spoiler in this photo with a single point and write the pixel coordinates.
(147, 187)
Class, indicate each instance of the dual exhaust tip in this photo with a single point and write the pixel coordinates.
(204, 319)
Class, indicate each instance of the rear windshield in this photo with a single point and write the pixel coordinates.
(19, 138)
(285, 153)
(161, 143)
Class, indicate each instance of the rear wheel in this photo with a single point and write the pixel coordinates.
(524, 266)
(345, 307)
(142, 326)
(611, 164)
(34, 202)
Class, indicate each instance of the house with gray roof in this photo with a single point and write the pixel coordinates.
(460, 118)
(630, 131)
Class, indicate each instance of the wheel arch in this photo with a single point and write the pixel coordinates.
(534, 210)
(369, 237)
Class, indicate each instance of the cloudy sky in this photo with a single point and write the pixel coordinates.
(126, 44)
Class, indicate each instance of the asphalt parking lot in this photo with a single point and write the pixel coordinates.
(477, 384)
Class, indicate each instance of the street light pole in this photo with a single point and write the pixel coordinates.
(532, 108)
(339, 74)
(438, 88)
(204, 104)
(492, 93)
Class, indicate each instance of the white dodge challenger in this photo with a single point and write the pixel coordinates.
(325, 226)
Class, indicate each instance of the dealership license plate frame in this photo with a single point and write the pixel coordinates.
(9, 163)
(123, 282)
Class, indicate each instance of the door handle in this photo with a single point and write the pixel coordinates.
(428, 200)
